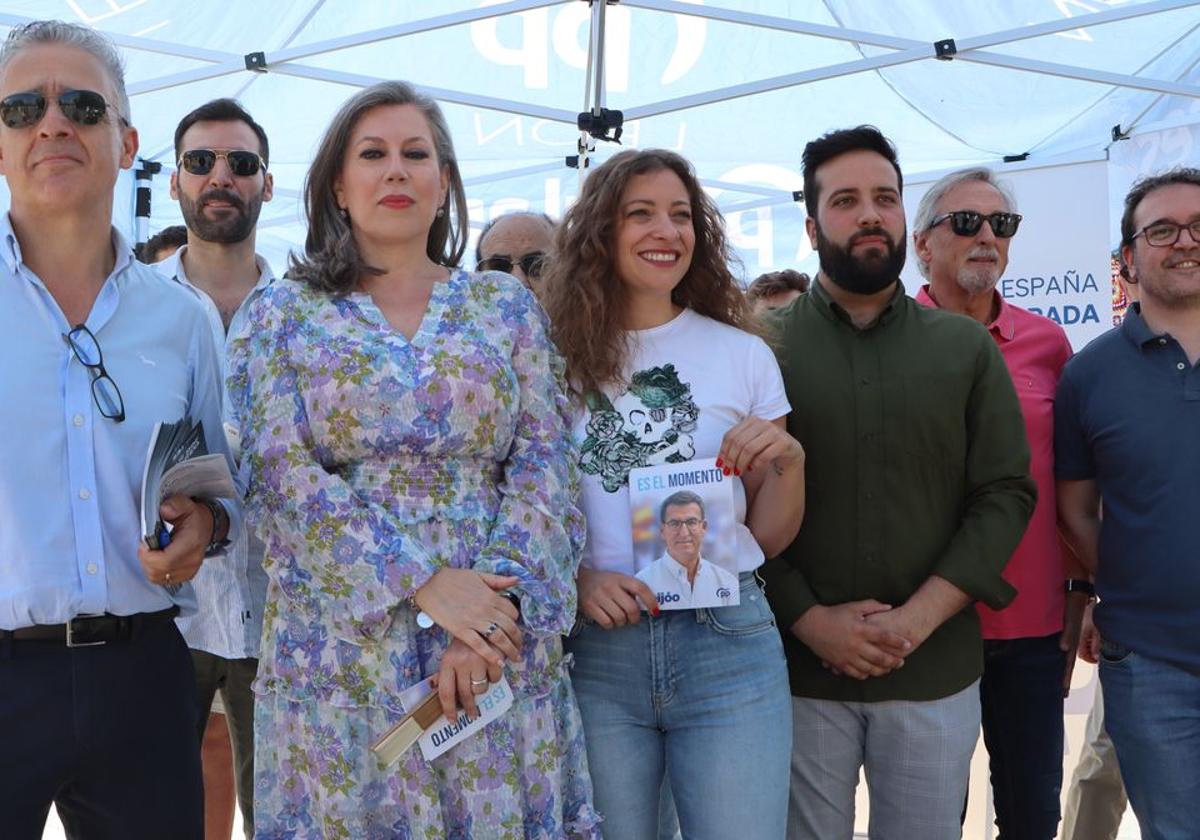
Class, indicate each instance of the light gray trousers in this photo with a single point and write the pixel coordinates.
(917, 757)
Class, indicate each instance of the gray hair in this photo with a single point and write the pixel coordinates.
(929, 202)
(72, 35)
(678, 499)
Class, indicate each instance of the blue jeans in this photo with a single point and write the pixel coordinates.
(1152, 713)
(1021, 702)
(702, 694)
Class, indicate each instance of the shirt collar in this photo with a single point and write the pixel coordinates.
(1003, 325)
(1135, 328)
(172, 266)
(10, 248)
(831, 308)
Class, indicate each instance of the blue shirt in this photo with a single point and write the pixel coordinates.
(1127, 416)
(70, 478)
(230, 590)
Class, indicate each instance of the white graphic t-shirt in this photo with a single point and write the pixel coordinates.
(692, 380)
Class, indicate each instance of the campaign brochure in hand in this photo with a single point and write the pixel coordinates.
(178, 462)
(424, 723)
(684, 542)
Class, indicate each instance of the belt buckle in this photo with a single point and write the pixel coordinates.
(71, 643)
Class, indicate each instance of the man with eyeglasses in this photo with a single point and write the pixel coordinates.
(919, 491)
(517, 244)
(221, 183)
(682, 578)
(1127, 437)
(963, 228)
(97, 694)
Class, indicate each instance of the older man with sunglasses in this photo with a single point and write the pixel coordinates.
(1127, 436)
(962, 231)
(97, 696)
(221, 184)
(517, 244)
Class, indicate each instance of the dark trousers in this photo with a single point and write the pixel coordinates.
(233, 678)
(1022, 711)
(107, 734)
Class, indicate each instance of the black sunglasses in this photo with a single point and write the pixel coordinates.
(82, 107)
(104, 390)
(968, 222)
(531, 264)
(242, 163)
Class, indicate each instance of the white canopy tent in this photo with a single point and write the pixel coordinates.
(738, 86)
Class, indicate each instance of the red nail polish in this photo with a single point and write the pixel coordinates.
(719, 463)
(725, 470)
(736, 471)
(750, 468)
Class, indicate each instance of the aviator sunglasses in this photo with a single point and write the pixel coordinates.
(242, 163)
(968, 222)
(82, 107)
(530, 263)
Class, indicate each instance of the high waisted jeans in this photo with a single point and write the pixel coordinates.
(702, 694)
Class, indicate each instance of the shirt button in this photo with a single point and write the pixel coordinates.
(92, 568)
(85, 494)
(1162, 341)
(77, 420)
(1181, 366)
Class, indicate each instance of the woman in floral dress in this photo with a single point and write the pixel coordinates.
(402, 422)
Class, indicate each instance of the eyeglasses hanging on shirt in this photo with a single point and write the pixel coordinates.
(105, 392)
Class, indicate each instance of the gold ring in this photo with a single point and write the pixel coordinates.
(476, 683)
(168, 577)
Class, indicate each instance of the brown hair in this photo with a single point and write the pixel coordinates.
(331, 261)
(586, 299)
(776, 282)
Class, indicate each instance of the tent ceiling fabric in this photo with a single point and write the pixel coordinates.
(530, 62)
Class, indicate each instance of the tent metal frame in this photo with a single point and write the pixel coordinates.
(289, 61)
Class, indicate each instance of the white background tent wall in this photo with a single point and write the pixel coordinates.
(738, 86)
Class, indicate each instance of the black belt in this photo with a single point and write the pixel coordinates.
(91, 630)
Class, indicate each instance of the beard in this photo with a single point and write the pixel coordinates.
(977, 280)
(861, 275)
(231, 227)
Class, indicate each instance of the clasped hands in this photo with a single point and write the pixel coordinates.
(469, 606)
(861, 639)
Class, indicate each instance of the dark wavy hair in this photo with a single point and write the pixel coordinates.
(586, 299)
(331, 261)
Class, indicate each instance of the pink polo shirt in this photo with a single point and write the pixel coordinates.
(1035, 350)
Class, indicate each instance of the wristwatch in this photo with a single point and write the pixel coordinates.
(1078, 585)
(219, 515)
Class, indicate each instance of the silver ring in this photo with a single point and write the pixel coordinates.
(491, 628)
(476, 683)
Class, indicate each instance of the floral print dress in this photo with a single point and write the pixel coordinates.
(372, 461)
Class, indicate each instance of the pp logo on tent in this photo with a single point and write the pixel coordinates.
(565, 31)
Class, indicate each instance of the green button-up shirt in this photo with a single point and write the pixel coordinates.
(916, 465)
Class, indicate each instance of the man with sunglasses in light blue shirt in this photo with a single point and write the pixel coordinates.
(97, 706)
(221, 183)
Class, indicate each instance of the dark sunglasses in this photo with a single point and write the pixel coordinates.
(242, 163)
(531, 264)
(968, 222)
(82, 107)
(104, 390)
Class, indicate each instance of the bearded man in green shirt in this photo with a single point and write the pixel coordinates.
(918, 492)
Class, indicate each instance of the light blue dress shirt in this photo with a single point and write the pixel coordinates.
(230, 590)
(70, 478)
